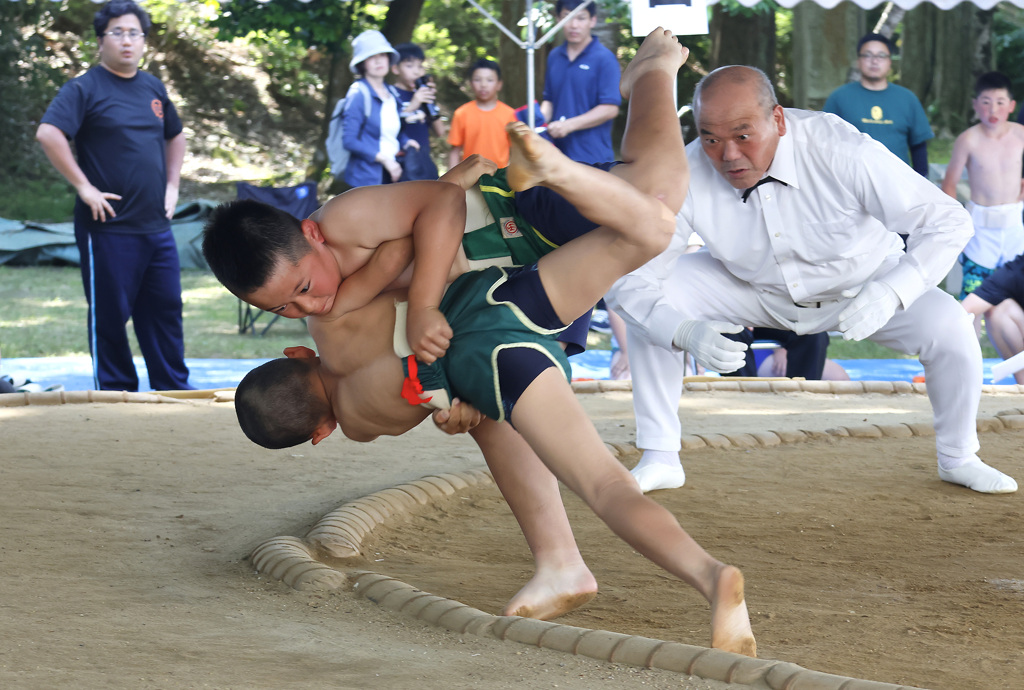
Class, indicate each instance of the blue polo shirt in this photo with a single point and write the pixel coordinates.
(120, 127)
(892, 116)
(575, 87)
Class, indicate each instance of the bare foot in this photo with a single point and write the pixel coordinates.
(730, 623)
(659, 51)
(533, 160)
(551, 595)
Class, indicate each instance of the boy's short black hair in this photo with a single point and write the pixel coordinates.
(119, 8)
(573, 4)
(244, 240)
(484, 63)
(410, 51)
(991, 81)
(275, 406)
(867, 38)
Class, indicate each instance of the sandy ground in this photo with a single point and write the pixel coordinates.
(125, 531)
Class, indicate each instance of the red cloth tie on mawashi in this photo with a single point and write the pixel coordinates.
(412, 388)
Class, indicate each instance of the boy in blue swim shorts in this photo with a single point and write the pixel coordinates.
(360, 384)
(990, 151)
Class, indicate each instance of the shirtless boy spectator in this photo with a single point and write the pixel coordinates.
(991, 151)
(504, 360)
(348, 251)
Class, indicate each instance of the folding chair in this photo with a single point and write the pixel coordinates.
(299, 201)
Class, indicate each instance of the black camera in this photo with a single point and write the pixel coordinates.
(430, 109)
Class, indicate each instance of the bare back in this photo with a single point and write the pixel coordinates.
(358, 347)
(993, 163)
(355, 223)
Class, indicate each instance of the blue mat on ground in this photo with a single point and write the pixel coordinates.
(75, 373)
(594, 364)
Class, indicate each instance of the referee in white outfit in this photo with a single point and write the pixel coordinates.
(800, 214)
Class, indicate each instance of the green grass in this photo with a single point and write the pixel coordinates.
(939, 150)
(44, 316)
(47, 200)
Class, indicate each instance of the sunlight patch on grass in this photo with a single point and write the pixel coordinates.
(56, 303)
(28, 322)
(205, 294)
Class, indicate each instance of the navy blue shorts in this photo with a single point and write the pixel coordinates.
(560, 222)
(519, 366)
(1006, 282)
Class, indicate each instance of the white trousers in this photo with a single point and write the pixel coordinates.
(935, 327)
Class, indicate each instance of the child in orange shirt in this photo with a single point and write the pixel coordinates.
(479, 126)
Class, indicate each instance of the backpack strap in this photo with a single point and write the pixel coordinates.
(367, 97)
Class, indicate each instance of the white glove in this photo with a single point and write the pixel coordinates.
(871, 308)
(712, 350)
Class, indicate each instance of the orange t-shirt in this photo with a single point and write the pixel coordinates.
(482, 131)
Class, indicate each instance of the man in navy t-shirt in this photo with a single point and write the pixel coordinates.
(130, 147)
(581, 89)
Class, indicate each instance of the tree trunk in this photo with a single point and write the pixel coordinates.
(401, 20)
(513, 59)
(890, 19)
(743, 38)
(943, 53)
(339, 77)
(824, 43)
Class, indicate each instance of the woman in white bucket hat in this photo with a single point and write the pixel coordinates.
(372, 134)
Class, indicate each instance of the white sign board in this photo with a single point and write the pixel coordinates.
(682, 17)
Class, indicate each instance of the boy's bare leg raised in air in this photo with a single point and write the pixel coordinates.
(635, 227)
(653, 151)
(654, 161)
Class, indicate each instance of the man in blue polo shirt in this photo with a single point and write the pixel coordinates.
(130, 147)
(581, 89)
(888, 113)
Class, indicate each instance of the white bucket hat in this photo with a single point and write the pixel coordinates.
(368, 44)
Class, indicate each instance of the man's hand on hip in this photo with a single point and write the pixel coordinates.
(711, 349)
(871, 308)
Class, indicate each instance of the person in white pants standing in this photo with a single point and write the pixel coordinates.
(800, 214)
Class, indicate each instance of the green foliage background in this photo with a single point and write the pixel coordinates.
(212, 55)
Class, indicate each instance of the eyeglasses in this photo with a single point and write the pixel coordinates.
(874, 56)
(118, 34)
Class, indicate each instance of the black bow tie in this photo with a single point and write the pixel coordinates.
(748, 190)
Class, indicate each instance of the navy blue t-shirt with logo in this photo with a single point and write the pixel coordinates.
(120, 127)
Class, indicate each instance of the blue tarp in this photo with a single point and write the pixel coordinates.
(75, 373)
(27, 243)
(595, 363)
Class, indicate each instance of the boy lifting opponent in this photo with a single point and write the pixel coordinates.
(346, 253)
(503, 359)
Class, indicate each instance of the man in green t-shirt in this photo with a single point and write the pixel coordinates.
(886, 112)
